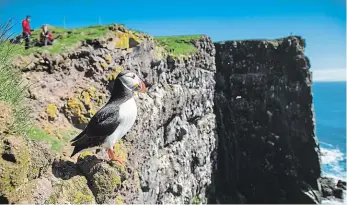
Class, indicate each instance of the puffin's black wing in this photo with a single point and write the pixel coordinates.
(102, 124)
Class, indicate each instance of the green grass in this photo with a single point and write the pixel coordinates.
(37, 134)
(181, 45)
(64, 39)
(12, 90)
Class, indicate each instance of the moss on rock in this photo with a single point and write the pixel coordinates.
(105, 180)
(36, 191)
(22, 162)
(196, 200)
(81, 198)
(74, 190)
(14, 163)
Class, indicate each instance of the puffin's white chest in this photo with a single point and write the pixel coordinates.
(126, 116)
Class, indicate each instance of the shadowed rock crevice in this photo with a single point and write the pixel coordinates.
(9, 157)
(3, 200)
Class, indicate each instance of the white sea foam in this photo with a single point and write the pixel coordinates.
(334, 202)
(332, 160)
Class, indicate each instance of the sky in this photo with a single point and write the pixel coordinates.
(321, 22)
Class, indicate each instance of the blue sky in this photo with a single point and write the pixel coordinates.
(321, 22)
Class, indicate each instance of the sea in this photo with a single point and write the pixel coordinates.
(329, 99)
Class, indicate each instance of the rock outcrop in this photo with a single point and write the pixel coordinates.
(231, 125)
(23, 170)
(332, 189)
(267, 149)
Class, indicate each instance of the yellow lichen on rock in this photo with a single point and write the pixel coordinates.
(117, 68)
(85, 97)
(115, 71)
(118, 200)
(120, 150)
(196, 200)
(75, 106)
(91, 91)
(82, 198)
(116, 181)
(122, 39)
(135, 37)
(84, 154)
(126, 39)
(51, 111)
(80, 108)
(76, 109)
(108, 58)
(104, 65)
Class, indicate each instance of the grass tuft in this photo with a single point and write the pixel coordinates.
(11, 85)
(181, 45)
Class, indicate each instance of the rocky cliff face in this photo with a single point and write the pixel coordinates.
(232, 126)
(263, 101)
(168, 151)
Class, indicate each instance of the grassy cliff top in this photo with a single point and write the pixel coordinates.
(64, 38)
(178, 45)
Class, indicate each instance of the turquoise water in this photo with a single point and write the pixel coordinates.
(330, 109)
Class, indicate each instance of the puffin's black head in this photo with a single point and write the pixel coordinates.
(131, 81)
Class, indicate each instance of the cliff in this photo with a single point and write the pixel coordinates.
(228, 122)
(268, 152)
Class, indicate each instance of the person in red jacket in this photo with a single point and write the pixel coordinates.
(46, 37)
(26, 31)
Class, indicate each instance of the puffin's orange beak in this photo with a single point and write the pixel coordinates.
(142, 88)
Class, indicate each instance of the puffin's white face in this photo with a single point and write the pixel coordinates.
(133, 82)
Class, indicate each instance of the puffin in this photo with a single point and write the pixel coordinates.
(114, 119)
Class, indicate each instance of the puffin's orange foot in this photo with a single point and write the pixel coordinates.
(114, 157)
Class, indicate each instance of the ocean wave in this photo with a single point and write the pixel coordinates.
(333, 166)
(333, 162)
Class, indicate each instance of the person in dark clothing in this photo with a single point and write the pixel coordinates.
(26, 31)
(46, 37)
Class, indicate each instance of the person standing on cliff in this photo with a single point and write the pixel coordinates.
(26, 31)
